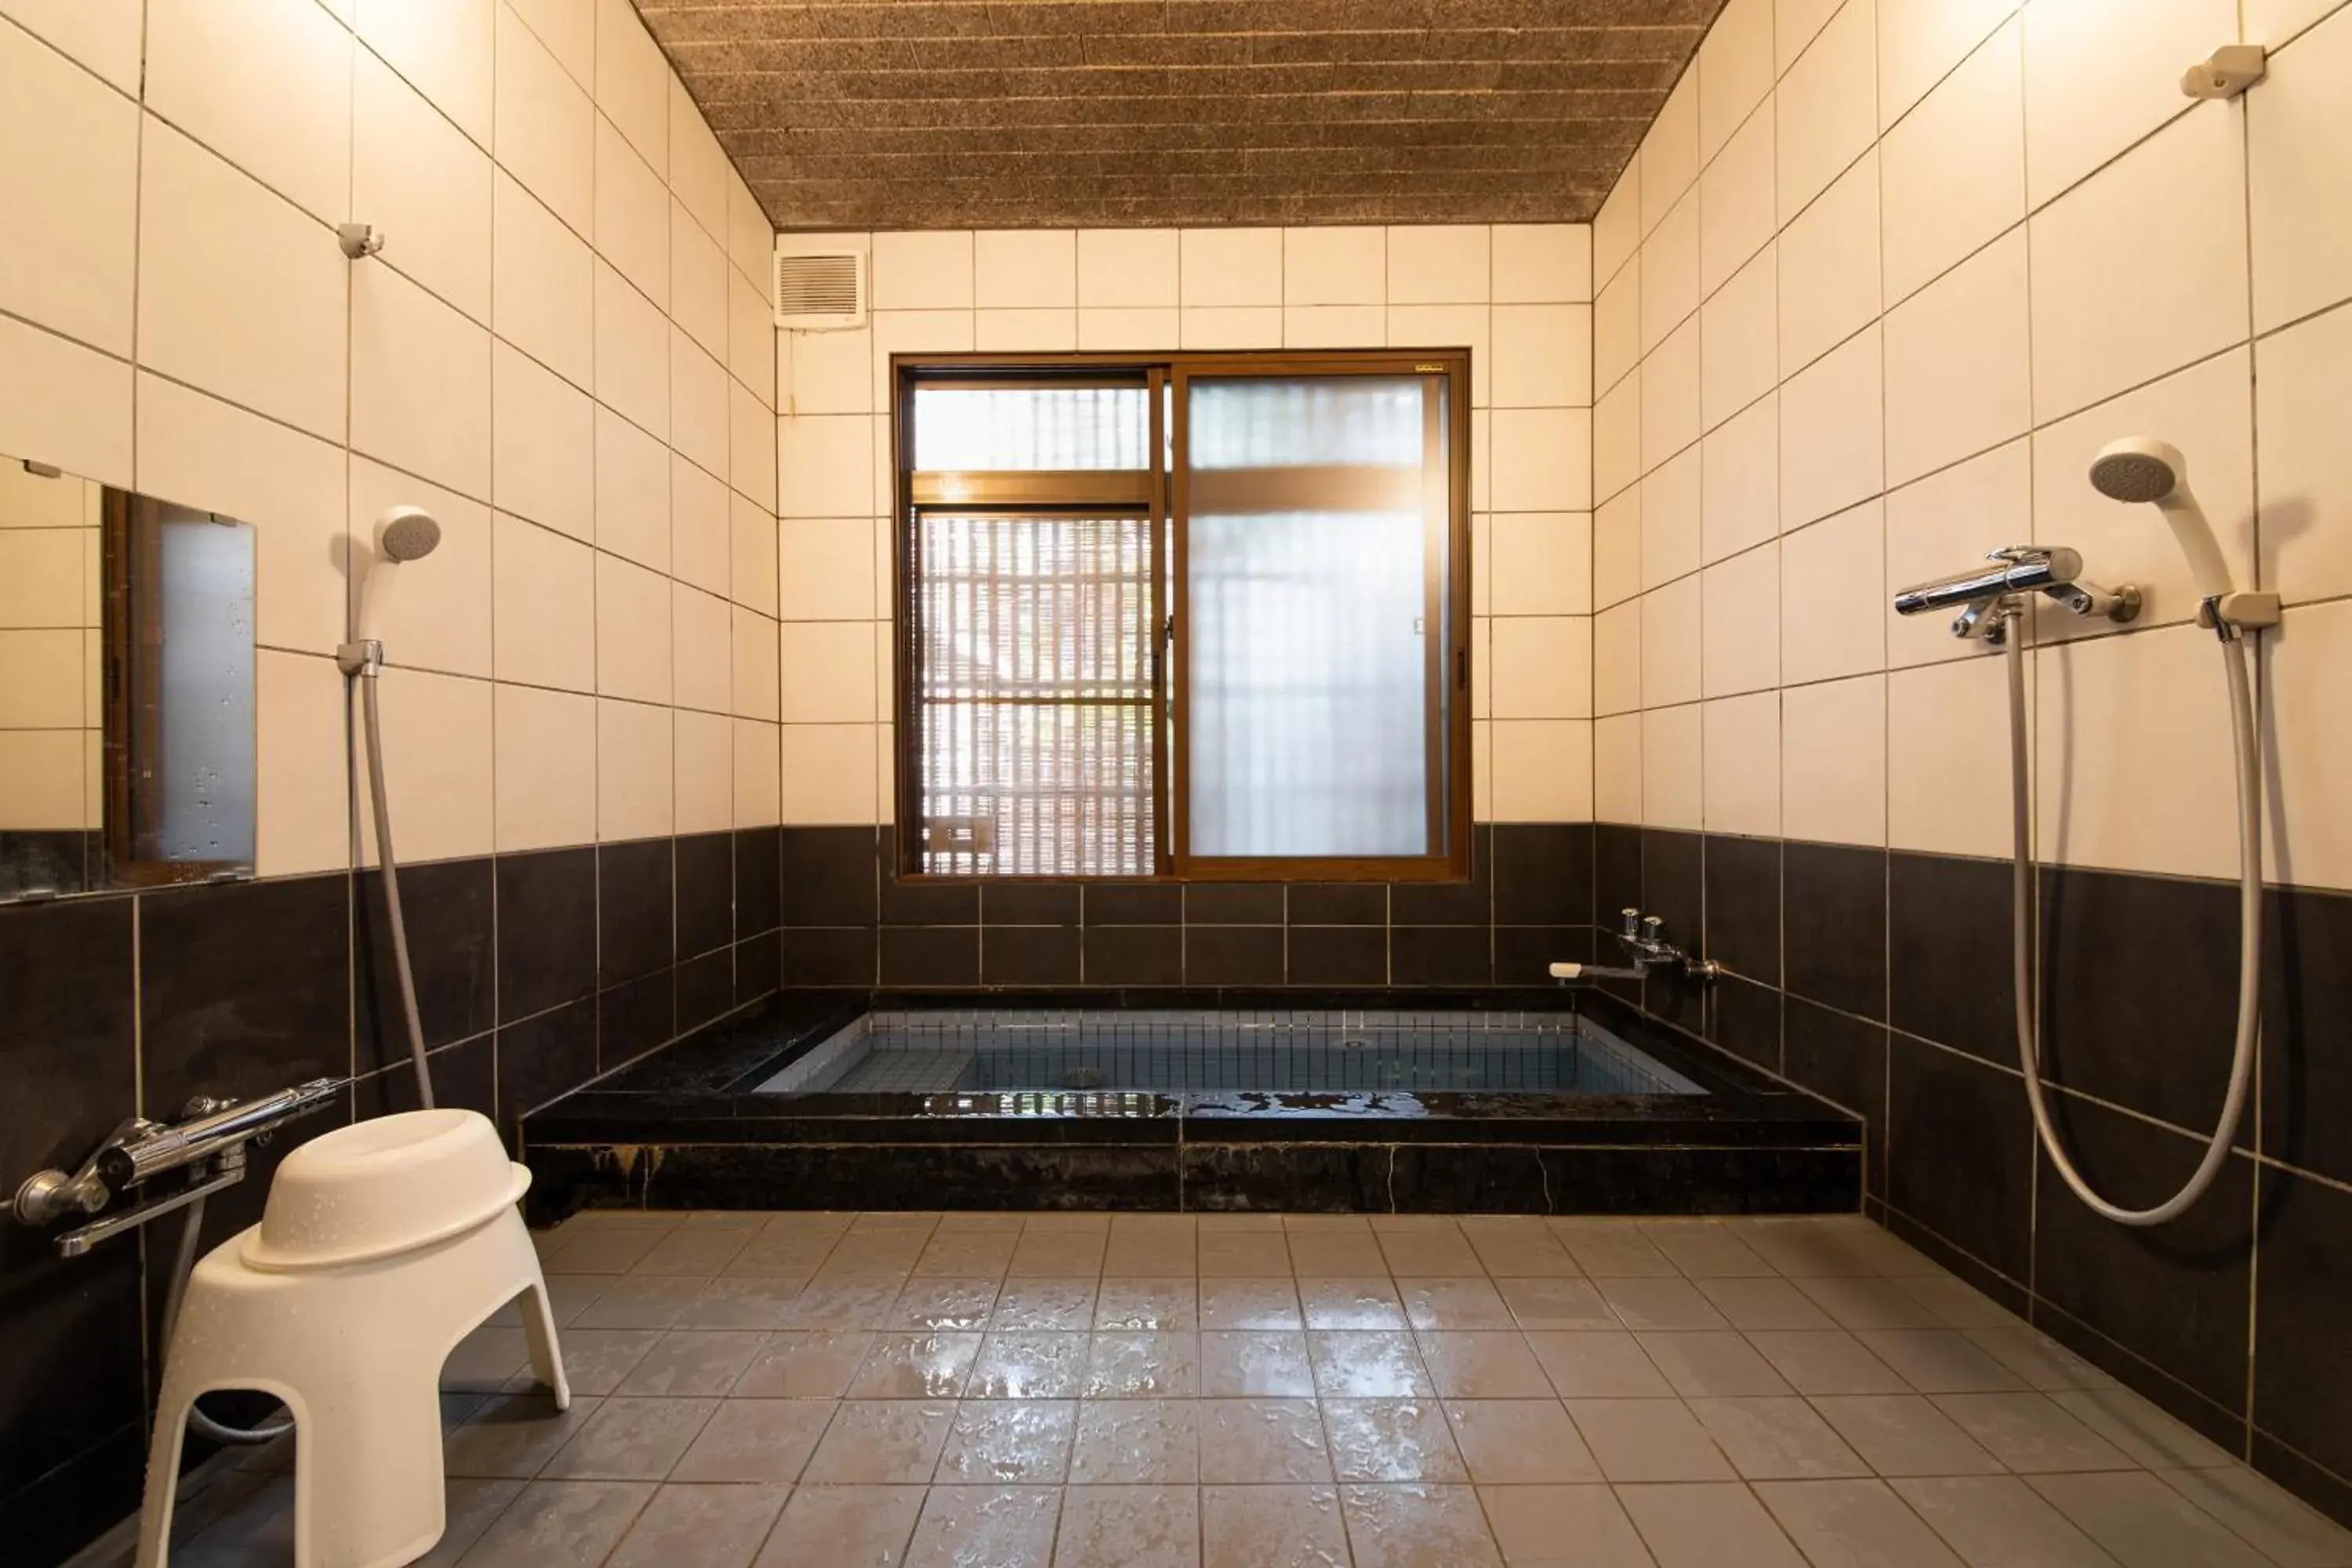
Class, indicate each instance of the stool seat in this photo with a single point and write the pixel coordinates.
(381, 1246)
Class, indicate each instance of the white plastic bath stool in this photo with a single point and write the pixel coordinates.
(381, 1246)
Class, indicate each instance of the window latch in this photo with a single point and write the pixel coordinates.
(1460, 668)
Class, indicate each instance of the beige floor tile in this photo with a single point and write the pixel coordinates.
(1046, 1303)
(798, 1252)
(1703, 1249)
(1351, 1302)
(1607, 1248)
(1769, 1302)
(1598, 1365)
(1998, 1522)
(881, 1442)
(1137, 1442)
(705, 1250)
(596, 1360)
(1172, 1256)
(1648, 1440)
(1142, 1366)
(844, 1301)
(1255, 1441)
(1939, 1361)
(641, 1301)
(1367, 1365)
(843, 1527)
(1562, 1527)
(1252, 1303)
(514, 1436)
(1030, 1367)
(1957, 1303)
(689, 1363)
(631, 1440)
(1660, 1303)
(1482, 1364)
(931, 1301)
(1272, 1527)
(553, 1525)
(1166, 1305)
(1417, 1527)
(1003, 1441)
(2039, 1361)
(601, 1249)
(2144, 1434)
(1776, 1440)
(714, 1525)
(1855, 1521)
(1342, 1253)
(1904, 1435)
(1243, 1254)
(1429, 1250)
(811, 1365)
(1527, 1252)
(1129, 1527)
(1858, 1303)
(1391, 1441)
(967, 1254)
(1559, 1303)
(2028, 1433)
(1471, 1302)
(1712, 1365)
(1713, 1526)
(2143, 1523)
(965, 1527)
(1827, 1362)
(740, 1302)
(1519, 1441)
(756, 1440)
(1058, 1254)
(1255, 1364)
(916, 1367)
(2283, 1529)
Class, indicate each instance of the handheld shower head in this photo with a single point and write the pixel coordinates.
(2143, 468)
(406, 533)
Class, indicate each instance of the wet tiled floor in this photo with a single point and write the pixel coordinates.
(1092, 1391)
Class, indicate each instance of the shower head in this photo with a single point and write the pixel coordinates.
(2143, 468)
(406, 533)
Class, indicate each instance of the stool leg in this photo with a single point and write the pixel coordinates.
(539, 1329)
(368, 1486)
(162, 1476)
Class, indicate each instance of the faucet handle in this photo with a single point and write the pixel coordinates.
(1630, 921)
(2018, 553)
(1653, 927)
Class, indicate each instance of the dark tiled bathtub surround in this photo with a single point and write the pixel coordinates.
(1882, 982)
(687, 1128)
(851, 921)
(534, 973)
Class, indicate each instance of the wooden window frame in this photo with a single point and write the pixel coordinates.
(1165, 495)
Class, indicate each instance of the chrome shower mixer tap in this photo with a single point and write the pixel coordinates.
(1644, 937)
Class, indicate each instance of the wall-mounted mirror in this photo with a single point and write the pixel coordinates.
(126, 687)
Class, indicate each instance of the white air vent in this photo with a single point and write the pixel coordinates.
(820, 285)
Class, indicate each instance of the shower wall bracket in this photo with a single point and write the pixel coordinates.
(2226, 72)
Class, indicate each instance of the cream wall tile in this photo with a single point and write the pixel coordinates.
(699, 526)
(2299, 155)
(699, 169)
(834, 373)
(758, 784)
(544, 748)
(1543, 564)
(542, 448)
(104, 37)
(416, 176)
(1542, 263)
(1482, 563)
(567, 28)
(1831, 416)
(1617, 769)
(1542, 355)
(420, 383)
(633, 82)
(755, 644)
(1952, 175)
(1672, 503)
(433, 615)
(1945, 524)
(923, 270)
(703, 650)
(443, 47)
(1739, 752)
(1130, 269)
(1671, 643)
(1832, 611)
(755, 349)
(699, 391)
(2101, 74)
(2110, 312)
(1482, 771)
(1737, 214)
(1032, 268)
(1669, 397)
(1739, 486)
(1795, 24)
(913, 332)
(1617, 227)
(1670, 289)
(886, 773)
(1669, 152)
(1439, 263)
(44, 584)
(754, 576)
(703, 771)
(2275, 22)
(2204, 411)
(1037, 332)
(828, 672)
(546, 135)
(1918, 44)
(633, 492)
(2132, 763)
(1542, 770)
(632, 353)
(70, 182)
(751, 237)
(543, 285)
(64, 403)
(1123, 327)
(1735, 71)
(207, 454)
(1617, 659)
(699, 279)
(1617, 437)
(1542, 666)
(1740, 342)
(633, 636)
(1673, 782)
(543, 607)
(1617, 548)
(828, 774)
(1829, 267)
(1457, 327)
(1481, 667)
(301, 821)
(1328, 326)
(1617, 329)
(41, 681)
(1226, 327)
(266, 84)
(2304, 378)
(1947, 791)
(239, 294)
(751, 460)
(1958, 363)
(633, 780)
(1334, 266)
(1740, 622)
(1229, 267)
(826, 567)
(42, 783)
(437, 767)
(1826, 110)
(1833, 762)
(2308, 830)
(1542, 460)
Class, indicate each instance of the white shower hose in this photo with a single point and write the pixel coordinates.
(2250, 939)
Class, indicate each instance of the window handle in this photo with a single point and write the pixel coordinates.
(1460, 668)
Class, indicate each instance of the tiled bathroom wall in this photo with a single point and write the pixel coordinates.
(1881, 281)
(564, 352)
(1516, 295)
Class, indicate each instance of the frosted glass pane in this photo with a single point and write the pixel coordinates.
(1309, 605)
(205, 784)
(974, 430)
